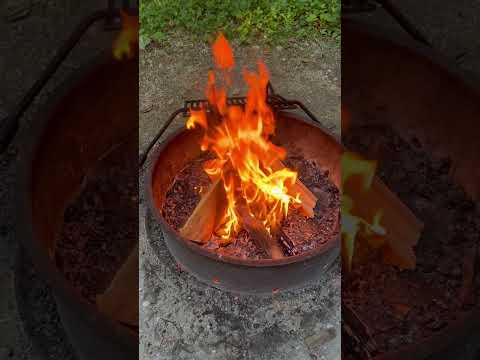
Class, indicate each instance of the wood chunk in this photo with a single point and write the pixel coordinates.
(308, 198)
(403, 229)
(120, 300)
(286, 242)
(402, 226)
(208, 213)
(202, 222)
(259, 234)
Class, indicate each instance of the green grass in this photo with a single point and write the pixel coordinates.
(246, 20)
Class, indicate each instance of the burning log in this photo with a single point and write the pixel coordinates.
(309, 199)
(259, 234)
(207, 215)
(390, 224)
(120, 300)
(202, 222)
(403, 227)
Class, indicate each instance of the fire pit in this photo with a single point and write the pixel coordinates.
(242, 232)
(232, 273)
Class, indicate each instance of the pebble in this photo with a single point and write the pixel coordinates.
(146, 108)
(146, 304)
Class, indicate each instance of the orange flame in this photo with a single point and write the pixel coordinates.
(125, 45)
(222, 53)
(239, 137)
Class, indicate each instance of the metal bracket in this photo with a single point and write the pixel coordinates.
(277, 103)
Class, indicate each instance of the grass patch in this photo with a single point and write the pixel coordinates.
(246, 20)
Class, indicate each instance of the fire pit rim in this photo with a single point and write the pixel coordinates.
(151, 164)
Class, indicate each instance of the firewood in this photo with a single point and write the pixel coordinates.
(259, 234)
(202, 222)
(287, 243)
(403, 229)
(120, 300)
(205, 218)
(309, 199)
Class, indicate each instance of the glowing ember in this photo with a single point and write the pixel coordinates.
(245, 157)
(359, 173)
(126, 42)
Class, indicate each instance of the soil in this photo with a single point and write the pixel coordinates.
(101, 225)
(405, 307)
(304, 234)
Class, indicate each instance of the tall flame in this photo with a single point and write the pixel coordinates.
(239, 138)
(125, 44)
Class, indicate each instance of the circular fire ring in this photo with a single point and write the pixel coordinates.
(230, 273)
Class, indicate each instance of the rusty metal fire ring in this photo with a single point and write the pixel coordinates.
(231, 273)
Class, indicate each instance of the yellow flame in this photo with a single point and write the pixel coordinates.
(239, 137)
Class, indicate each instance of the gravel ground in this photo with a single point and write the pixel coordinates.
(181, 318)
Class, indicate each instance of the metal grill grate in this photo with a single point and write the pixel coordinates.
(274, 101)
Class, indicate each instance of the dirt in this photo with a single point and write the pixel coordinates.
(406, 307)
(303, 234)
(175, 72)
(100, 225)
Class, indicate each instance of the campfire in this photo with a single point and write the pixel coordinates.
(250, 187)
(247, 193)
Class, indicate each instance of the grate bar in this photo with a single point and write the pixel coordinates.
(274, 101)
